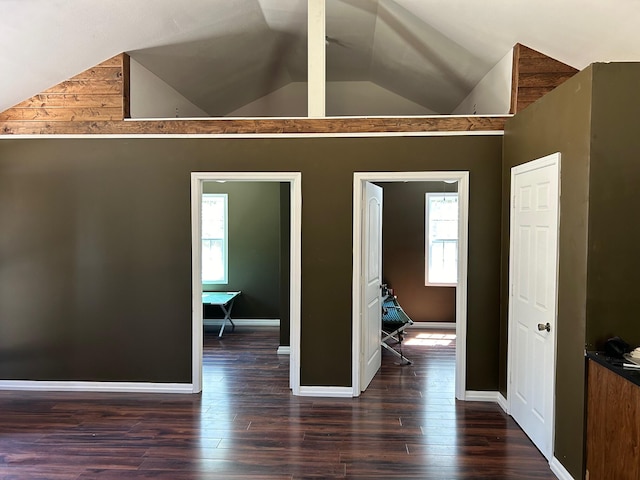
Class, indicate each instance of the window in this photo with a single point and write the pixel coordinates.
(214, 238)
(441, 245)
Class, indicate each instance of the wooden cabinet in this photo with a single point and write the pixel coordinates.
(613, 425)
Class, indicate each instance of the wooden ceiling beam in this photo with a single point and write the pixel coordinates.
(369, 125)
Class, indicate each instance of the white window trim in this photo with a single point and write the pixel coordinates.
(428, 283)
(225, 243)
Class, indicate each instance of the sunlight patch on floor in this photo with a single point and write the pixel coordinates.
(431, 339)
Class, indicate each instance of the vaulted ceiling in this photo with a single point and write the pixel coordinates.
(223, 54)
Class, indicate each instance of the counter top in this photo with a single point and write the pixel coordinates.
(615, 365)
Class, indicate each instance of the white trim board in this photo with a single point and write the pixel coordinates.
(284, 350)
(456, 133)
(433, 325)
(244, 322)
(316, 58)
(359, 180)
(482, 396)
(487, 396)
(295, 181)
(336, 392)
(502, 401)
(73, 386)
(327, 117)
(558, 469)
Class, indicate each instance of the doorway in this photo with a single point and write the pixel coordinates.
(294, 179)
(360, 181)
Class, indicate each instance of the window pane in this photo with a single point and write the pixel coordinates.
(443, 261)
(213, 260)
(214, 238)
(442, 238)
(213, 221)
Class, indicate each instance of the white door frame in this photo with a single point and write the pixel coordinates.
(553, 159)
(295, 179)
(462, 177)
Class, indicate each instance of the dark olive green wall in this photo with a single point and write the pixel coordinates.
(403, 232)
(614, 200)
(104, 225)
(95, 250)
(559, 122)
(254, 248)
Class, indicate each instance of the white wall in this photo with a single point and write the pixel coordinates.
(492, 94)
(151, 97)
(343, 98)
(369, 99)
(287, 101)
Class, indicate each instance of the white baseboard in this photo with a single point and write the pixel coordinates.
(245, 322)
(434, 325)
(487, 396)
(284, 350)
(558, 469)
(502, 402)
(73, 386)
(342, 392)
(481, 396)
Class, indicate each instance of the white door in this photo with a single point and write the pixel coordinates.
(372, 280)
(533, 298)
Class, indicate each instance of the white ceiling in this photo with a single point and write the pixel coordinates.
(223, 54)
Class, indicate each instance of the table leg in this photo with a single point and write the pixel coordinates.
(227, 316)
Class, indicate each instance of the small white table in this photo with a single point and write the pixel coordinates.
(225, 301)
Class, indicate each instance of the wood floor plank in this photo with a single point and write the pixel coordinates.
(246, 424)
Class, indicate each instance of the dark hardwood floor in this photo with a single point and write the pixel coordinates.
(247, 425)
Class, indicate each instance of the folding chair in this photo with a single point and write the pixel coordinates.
(394, 322)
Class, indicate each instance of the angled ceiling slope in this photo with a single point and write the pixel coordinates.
(374, 41)
(237, 60)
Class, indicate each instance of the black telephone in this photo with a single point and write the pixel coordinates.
(616, 347)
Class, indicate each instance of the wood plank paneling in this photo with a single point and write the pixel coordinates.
(87, 86)
(63, 114)
(100, 72)
(613, 426)
(541, 80)
(115, 61)
(70, 101)
(535, 74)
(541, 63)
(99, 93)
